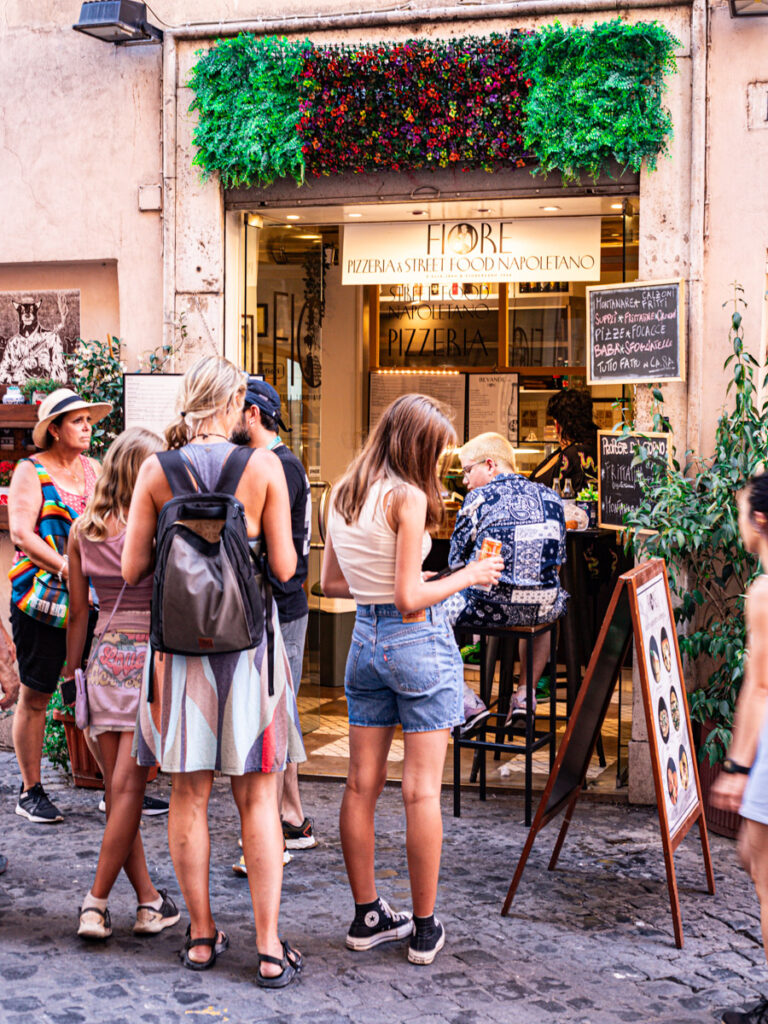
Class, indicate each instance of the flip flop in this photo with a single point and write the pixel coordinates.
(216, 947)
(291, 963)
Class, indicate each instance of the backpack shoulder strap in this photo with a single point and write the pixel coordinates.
(233, 469)
(177, 471)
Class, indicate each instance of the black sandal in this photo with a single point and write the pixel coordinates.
(216, 949)
(291, 963)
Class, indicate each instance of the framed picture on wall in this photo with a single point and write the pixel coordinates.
(262, 319)
(247, 322)
(282, 316)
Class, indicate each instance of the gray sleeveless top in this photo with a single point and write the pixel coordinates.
(208, 460)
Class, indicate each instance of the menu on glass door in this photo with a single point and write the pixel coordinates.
(493, 405)
(149, 399)
(635, 332)
(448, 388)
(671, 734)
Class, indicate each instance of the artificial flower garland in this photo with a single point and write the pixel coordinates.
(567, 99)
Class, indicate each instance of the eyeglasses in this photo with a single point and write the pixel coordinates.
(468, 469)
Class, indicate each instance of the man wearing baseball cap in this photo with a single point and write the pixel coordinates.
(260, 424)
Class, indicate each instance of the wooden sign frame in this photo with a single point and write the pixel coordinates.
(564, 786)
(681, 334)
(650, 434)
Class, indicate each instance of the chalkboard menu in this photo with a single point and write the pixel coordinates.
(618, 480)
(635, 332)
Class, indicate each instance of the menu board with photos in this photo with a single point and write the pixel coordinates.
(640, 610)
(447, 388)
(670, 733)
(635, 332)
(494, 405)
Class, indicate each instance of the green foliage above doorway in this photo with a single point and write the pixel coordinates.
(246, 92)
(597, 96)
(572, 100)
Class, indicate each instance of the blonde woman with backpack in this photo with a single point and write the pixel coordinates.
(201, 713)
(404, 667)
(113, 678)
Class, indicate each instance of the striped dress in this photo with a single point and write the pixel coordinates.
(35, 591)
(215, 711)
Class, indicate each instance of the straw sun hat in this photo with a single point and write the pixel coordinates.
(64, 400)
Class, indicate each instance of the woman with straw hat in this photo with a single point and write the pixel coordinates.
(48, 492)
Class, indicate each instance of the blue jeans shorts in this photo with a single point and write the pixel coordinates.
(403, 673)
(294, 635)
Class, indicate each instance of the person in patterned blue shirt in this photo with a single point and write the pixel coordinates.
(528, 520)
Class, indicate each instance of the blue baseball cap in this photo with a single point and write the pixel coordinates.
(264, 397)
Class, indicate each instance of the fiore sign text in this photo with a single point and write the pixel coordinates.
(526, 249)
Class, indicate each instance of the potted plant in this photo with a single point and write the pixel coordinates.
(587, 499)
(64, 745)
(35, 389)
(692, 509)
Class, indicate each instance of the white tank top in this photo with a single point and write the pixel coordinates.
(366, 549)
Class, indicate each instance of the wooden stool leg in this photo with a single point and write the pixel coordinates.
(506, 683)
(530, 690)
(552, 694)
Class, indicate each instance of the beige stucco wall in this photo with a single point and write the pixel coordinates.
(80, 132)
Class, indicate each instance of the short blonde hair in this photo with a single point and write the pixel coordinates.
(489, 446)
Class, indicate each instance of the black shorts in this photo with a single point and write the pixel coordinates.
(41, 650)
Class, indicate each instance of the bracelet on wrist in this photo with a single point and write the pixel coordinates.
(64, 565)
(731, 767)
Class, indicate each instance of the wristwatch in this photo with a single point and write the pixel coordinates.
(731, 767)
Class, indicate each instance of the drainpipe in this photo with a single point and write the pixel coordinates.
(698, 224)
(415, 16)
(168, 100)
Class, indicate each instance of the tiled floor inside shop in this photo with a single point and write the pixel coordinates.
(323, 712)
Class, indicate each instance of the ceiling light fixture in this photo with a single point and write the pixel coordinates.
(418, 213)
(549, 209)
(617, 206)
(354, 215)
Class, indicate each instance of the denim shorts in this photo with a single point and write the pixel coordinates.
(403, 673)
(754, 804)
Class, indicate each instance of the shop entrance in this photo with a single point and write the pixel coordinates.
(336, 351)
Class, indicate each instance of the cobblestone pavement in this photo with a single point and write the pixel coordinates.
(590, 943)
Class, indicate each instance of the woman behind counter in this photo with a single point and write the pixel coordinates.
(48, 492)
(576, 458)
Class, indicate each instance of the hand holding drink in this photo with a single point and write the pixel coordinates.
(489, 563)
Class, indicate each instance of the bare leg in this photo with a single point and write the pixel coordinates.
(367, 773)
(753, 843)
(540, 659)
(256, 798)
(190, 847)
(121, 846)
(422, 782)
(28, 730)
(288, 797)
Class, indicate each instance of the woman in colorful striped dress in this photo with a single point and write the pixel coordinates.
(48, 492)
(217, 712)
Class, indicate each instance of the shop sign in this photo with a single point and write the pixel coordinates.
(525, 249)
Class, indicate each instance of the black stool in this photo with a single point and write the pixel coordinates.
(533, 740)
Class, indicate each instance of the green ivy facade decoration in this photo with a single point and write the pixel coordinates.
(596, 96)
(572, 100)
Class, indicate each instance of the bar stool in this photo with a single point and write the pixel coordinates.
(533, 740)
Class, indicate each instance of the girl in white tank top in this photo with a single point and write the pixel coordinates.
(403, 667)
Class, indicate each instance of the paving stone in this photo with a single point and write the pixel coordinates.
(590, 943)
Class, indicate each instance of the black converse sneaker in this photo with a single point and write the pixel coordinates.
(380, 924)
(36, 806)
(424, 947)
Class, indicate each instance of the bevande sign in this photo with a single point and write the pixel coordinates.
(524, 249)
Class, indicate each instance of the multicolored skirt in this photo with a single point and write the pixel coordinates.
(215, 713)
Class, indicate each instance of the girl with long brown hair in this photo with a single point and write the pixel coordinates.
(113, 681)
(403, 667)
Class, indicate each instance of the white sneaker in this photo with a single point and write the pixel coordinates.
(150, 920)
(94, 923)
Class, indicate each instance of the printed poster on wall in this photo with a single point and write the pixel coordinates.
(493, 405)
(671, 733)
(524, 249)
(37, 332)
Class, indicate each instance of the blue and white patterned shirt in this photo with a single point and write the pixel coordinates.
(528, 520)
